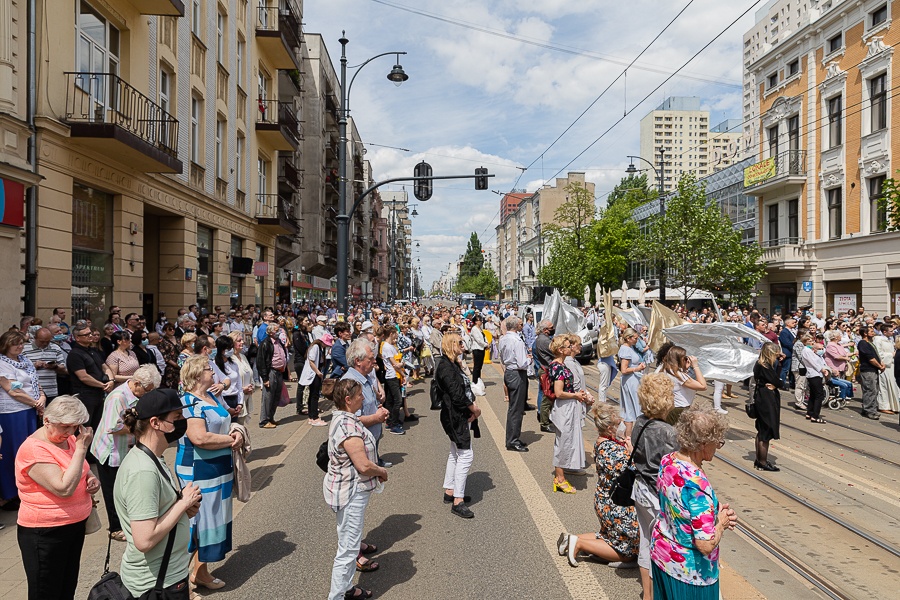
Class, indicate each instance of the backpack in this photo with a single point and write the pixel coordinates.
(547, 384)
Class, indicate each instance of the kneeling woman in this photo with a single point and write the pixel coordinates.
(351, 477)
(149, 503)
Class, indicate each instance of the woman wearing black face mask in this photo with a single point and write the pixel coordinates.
(148, 501)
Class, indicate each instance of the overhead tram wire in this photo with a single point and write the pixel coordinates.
(555, 47)
(657, 88)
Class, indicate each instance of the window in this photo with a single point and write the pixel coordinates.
(196, 17)
(92, 252)
(204, 258)
(96, 51)
(772, 80)
(239, 162)
(262, 167)
(220, 150)
(835, 216)
(835, 43)
(773, 141)
(794, 67)
(878, 102)
(794, 220)
(241, 49)
(220, 38)
(237, 251)
(794, 132)
(878, 16)
(165, 103)
(196, 119)
(877, 211)
(834, 122)
(772, 213)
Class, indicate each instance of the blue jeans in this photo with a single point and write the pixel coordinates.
(786, 371)
(350, 530)
(845, 386)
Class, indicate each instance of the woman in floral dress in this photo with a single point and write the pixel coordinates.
(566, 416)
(617, 539)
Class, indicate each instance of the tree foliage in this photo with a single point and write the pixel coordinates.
(586, 247)
(485, 283)
(890, 203)
(634, 188)
(699, 245)
(473, 259)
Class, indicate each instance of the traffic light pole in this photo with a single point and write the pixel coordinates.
(344, 256)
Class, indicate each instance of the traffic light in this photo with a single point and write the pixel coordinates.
(480, 179)
(422, 189)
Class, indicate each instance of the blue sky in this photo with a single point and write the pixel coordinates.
(486, 90)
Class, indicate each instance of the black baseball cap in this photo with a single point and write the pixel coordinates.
(156, 403)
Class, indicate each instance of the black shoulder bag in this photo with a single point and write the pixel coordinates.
(624, 483)
(110, 586)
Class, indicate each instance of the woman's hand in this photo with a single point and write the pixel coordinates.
(216, 388)
(248, 389)
(728, 517)
(693, 361)
(40, 403)
(83, 439)
(238, 440)
(93, 485)
(190, 499)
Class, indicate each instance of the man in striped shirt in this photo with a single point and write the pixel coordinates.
(49, 359)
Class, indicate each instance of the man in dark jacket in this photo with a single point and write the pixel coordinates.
(339, 349)
(786, 338)
(544, 357)
(91, 379)
(271, 362)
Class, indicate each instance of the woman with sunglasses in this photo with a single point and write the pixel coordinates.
(566, 416)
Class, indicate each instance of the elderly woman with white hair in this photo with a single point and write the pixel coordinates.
(55, 487)
(112, 440)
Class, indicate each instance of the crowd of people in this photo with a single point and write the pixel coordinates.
(88, 409)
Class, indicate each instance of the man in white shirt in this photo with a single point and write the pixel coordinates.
(514, 357)
(319, 330)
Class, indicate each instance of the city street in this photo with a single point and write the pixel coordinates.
(284, 537)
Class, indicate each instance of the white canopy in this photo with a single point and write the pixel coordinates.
(678, 294)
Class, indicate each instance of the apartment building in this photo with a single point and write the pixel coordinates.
(398, 218)
(825, 147)
(520, 246)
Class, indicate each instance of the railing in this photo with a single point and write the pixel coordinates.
(266, 206)
(282, 16)
(274, 112)
(784, 164)
(288, 171)
(785, 241)
(357, 265)
(106, 98)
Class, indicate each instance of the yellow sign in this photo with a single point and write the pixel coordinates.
(761, 171)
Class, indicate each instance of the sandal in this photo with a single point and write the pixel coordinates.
(357, 592)
(822, 421)
(118, 536)
(366, 567)
(369, 548)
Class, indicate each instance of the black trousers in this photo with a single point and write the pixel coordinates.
(51, 557)
(393, 401)
(816, 396)
(477, 363)
(517, 384)
(315, 391)
(107, 476)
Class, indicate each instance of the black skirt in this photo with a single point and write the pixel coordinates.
(768, 413)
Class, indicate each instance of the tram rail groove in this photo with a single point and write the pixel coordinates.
(857, 451)
(820, 583)
(886, 546)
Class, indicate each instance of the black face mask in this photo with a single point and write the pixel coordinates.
(552, 331)
(180, 429)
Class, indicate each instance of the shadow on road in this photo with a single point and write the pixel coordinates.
(249, 559)
(393, 529)
(396, 568)
(477, 484)
(394, 457)
(265, 452)
(261, 476)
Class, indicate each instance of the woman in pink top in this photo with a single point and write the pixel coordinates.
(836, 356)
(55, 487)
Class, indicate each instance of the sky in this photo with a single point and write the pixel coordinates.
(494, 83)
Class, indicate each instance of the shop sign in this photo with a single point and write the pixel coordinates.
(12, 203)
(844, 302)
(224, 290)
(261, 269)
(760, 172)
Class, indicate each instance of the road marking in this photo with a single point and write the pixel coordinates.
(581, 583)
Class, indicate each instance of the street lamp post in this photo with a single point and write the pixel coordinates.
(631, 170)
(397, 76)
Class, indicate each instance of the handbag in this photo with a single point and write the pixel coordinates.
(328, 387)
(93, 524)
(285, 397)
(750, 405)
(322, 456)
(110, 586)
(623, 484)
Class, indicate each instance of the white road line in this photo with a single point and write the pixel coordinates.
(581, 583)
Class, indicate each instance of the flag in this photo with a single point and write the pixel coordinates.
(607, 342)
(661, 318)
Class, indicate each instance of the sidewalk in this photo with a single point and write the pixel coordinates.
(270, 448)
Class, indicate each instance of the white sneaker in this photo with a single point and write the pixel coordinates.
(721, 411)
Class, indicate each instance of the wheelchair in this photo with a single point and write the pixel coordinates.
(832, 397)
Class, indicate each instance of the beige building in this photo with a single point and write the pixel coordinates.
(398, 219)
(825, 148)
(520, 247)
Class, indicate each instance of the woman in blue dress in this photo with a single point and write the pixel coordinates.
(632, 366)
(204, 457)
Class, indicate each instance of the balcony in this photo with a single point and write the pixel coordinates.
(289, 180)
(276, 124)
(331, 250)
(272, 214)
(278, 32)
(110, 116)
(787, 254)
(170, 8)
(373, 273)
(358, 266)
(783, 173)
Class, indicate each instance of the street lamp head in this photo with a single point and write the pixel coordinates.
(414, 213)
(631, 170)
(397, 74)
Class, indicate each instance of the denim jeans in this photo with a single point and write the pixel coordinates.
(350, 530)
(845, 386)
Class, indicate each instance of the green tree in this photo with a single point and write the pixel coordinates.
(889, 203)
(634, 188)
(699, 245)
(473, 259)
(485, 283)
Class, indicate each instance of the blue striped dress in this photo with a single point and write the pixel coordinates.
(212, 471)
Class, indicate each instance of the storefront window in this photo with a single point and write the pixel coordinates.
(204, 266)
(783, 297)
(841, 296)
(260, 282)
(237, 251)
(91, 253)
